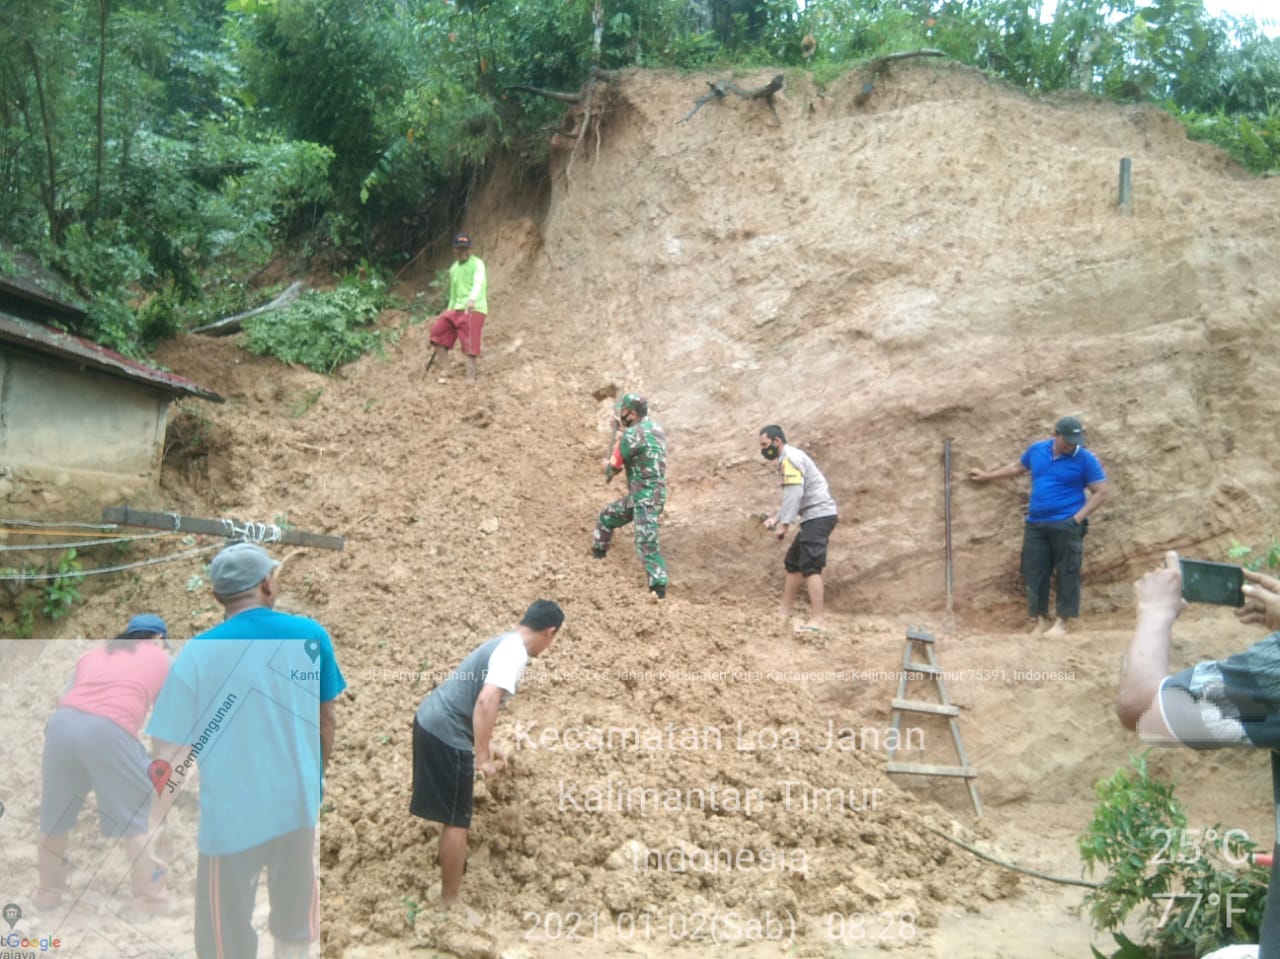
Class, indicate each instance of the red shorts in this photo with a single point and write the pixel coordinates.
(457, 325)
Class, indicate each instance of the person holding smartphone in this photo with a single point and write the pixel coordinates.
(1230, 702)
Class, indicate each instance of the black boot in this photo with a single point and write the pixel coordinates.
(659, 590)
(599, 550)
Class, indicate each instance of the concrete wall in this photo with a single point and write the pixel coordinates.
(80, 430)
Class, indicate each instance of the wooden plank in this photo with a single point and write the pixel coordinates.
(919, 635)
(925, 769)
(230, 528)
(913, 706)
(922, 668)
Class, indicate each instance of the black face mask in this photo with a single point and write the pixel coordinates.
(770, 452)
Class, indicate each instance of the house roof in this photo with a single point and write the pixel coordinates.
(78, 351)
(33, 290)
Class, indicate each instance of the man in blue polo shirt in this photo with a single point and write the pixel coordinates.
(252, 702)
(1067, 485)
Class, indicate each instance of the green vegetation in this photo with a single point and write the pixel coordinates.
(321, 330)
(1260, 561)
(1194, 890)
(63, 592)
(299, 407)
(163, 153)
(52, 597)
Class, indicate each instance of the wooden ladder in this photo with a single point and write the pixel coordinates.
(917, 638)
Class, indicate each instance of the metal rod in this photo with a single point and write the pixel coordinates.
(946, 469)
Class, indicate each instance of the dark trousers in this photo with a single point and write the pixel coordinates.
(227, 885)
(1048, 548)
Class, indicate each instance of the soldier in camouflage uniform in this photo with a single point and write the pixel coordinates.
(641, 450)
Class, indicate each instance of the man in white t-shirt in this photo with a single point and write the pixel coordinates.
(453, 727)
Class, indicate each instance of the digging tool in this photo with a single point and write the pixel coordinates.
(608, 465)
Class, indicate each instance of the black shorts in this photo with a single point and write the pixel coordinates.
(808, 552)
(444, 780)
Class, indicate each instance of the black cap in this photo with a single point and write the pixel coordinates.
(462, 240)
(1070, 429)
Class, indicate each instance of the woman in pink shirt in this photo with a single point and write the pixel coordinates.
(91, 743)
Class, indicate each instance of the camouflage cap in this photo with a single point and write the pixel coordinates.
(634, 402)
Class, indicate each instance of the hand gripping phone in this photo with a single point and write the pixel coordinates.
(1206, 582)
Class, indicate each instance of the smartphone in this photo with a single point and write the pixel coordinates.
(1206, 582)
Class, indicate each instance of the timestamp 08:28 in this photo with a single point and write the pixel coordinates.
(726, 927)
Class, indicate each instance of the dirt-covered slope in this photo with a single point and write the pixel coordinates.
(942, 261)
(945, 260)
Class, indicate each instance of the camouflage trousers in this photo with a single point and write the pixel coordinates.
(644, 509)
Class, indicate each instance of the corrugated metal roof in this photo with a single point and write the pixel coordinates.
(34, 290)
(78, 351)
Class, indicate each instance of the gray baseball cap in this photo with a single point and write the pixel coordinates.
(239, 567)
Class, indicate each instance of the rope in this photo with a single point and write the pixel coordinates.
(252, 532)
(88, 542)
(114, 531)
(40, 524)
(1008, 865)
(36, 577)
(249, 531)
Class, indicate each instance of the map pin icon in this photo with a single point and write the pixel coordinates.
(12, 912)
(158, 773)
(312, 646)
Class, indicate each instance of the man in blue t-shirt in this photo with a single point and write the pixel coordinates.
(1067, 485)
(252, 702)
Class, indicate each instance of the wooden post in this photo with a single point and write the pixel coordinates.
(1126, 187)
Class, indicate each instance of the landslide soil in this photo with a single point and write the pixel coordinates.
(943, 261)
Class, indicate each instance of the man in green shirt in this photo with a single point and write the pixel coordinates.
(463, 320)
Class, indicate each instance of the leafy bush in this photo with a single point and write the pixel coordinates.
(1195, 889)
(54, 598)
(283, 186)
(1254, 142)
(322, 331)
(62, 593)
(1244, 555)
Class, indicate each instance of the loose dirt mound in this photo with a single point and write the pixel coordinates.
(942, 261)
